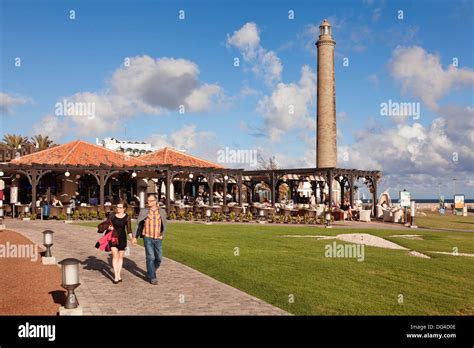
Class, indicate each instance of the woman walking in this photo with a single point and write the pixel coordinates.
(122, 226)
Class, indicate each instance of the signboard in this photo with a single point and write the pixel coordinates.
(404, 199)
(13, 194)
(2, 185)
(458, 202)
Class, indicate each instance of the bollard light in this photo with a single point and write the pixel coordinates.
(261, 213)
(70, 281)
(328, 218)
(208, 215)
(48, 242)
(69, 212)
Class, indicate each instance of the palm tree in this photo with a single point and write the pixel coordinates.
(14, 141)
(42, 142)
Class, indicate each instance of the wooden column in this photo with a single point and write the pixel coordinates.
(351, 192)
(374, 185)
(168, 195)
(34, 176)
(210, 182)
(239, 189)
(273, 184)
(34, 183)
(342, 184)
(225, 191)
(330, 178)
(102, 188)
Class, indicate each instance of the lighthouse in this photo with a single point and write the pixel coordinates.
(326, 132)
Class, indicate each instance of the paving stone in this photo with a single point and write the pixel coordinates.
(134, 296)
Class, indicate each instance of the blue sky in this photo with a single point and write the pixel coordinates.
(64, 58)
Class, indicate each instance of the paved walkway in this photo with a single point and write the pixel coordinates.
(181, 290)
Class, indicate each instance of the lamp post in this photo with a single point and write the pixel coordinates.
(412, 213)
(70, 281)
(48, 242)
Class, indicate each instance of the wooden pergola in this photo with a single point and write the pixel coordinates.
(164, 173)
(167, 174)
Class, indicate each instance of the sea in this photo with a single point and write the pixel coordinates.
(429, 200)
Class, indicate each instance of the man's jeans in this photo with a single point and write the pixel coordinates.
(154, 253)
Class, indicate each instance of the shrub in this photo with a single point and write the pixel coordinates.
(93, 215)
(249, 216)
(76, 215)
(172, 216)
(190, 216)
(232, 216)
(101, 215)
(198, 217)
(306, 218)
(241, 217)
(62, 216)
(181, 215)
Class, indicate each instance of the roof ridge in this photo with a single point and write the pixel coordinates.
(121, 154)
(187, 154)
(70, 151)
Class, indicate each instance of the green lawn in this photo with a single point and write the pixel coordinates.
(276, 268)
(434, 220)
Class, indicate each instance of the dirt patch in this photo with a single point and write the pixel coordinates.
(27, 287)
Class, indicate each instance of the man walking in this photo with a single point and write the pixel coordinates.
(151, 225)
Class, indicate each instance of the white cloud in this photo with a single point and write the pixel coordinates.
(186, 138)
(405, 152)
(288, 107)
(9, 101)
(147, 85)
(246, 39)
(421, 74)
(266, 64)
(52, 126)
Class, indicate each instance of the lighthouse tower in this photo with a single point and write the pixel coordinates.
(326, 148)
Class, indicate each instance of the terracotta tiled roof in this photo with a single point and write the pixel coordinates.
(168, 155)
(79, 153)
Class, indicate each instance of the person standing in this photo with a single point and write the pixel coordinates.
(151, 225)
(121, 224)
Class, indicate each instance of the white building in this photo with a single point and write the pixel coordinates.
(132, 148)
